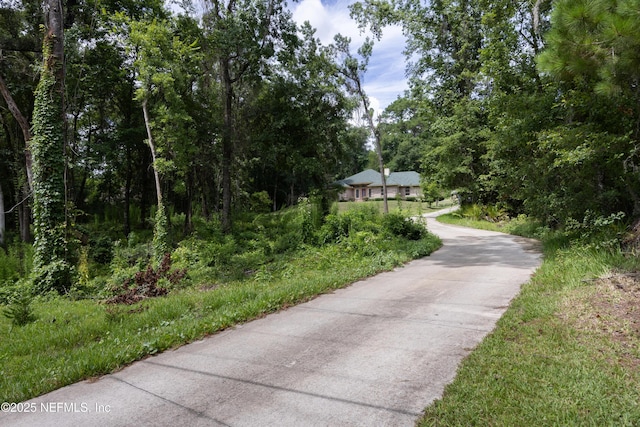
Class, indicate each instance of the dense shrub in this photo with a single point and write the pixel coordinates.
(401, 226)
(101, 249)
(258, 242)
(337, 227)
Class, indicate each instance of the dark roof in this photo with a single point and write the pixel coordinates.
(373, 179)
(404, 179)
(365, 177)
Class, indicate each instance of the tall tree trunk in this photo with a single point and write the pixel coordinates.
(227, 146)
(127, 195)
(160, 244)
(2, 219)
(188, 212)
(24, 126)
(24, 212)
(144, 206)
(156, 175)
(376, 140)
(51, 265)
(24, 217)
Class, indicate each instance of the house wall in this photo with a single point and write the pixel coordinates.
(357, 193)
(392, 192)
(415, 192)
(365, 193)
(346, 195)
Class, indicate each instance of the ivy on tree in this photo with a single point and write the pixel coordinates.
(52, 269)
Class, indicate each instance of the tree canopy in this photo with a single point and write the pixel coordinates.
(533, 105)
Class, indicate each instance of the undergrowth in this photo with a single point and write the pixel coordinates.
(126, 307)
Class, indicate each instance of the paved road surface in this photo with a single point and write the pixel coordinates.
(373, 354)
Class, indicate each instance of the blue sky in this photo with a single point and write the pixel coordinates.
(385, 78)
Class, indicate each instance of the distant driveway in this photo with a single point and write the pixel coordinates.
(373, 354)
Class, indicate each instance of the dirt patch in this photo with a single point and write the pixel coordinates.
(610, 307)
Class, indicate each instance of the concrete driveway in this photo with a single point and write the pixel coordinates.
(373, 354)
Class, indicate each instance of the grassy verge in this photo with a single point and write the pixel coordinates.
(567, 352)
(407, 207)
(74, 340)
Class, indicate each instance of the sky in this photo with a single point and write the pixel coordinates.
(385, 78)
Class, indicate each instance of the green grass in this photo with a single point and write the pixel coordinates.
(75, 340)
(409, 208)
(553, 359)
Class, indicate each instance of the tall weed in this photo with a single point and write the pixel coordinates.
(15, 262)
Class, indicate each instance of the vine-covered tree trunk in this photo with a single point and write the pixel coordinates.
(51, 266)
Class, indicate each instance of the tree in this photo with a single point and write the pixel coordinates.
(444, 39)
(243, 35)
(20, 49)
(52, 269)
(162, 60)
(24, 126)
(352, 70)
(443, 43)
(401, 128)
(597, 41)
(3, 226)
(592, 53)
(298, 125)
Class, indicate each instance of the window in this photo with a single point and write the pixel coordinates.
(382, 191)
(357, 193)
(407, 191)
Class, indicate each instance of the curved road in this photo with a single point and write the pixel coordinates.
(375, 353)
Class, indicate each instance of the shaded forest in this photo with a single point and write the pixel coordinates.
(120, 116)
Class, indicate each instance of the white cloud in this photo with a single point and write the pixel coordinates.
(328, 20)
(385, 78)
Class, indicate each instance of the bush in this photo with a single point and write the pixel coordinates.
(596, 230)
(260, 202)
(364, 242)
(130, 253)
(339, 226)
(524, 226)
(19, 310)
(57, 276)
(206, 261)
(9, 290)
(101, 249)
(490, 213)
(335, 228)
(401, 226)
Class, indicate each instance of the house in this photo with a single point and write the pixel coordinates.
(368, 185)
